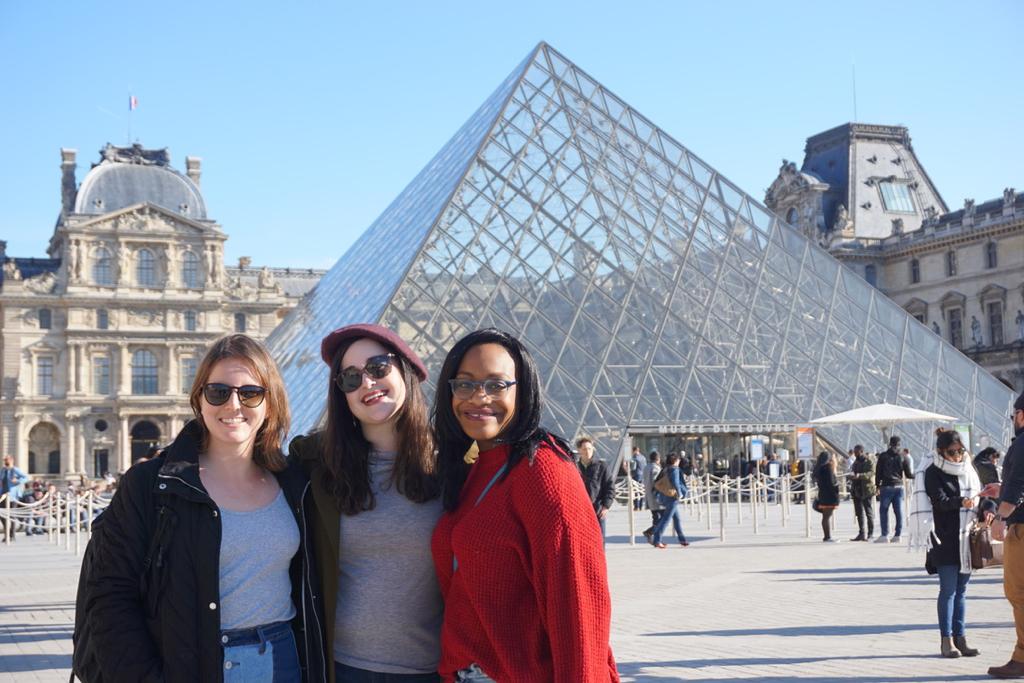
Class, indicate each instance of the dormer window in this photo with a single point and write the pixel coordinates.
(896, 196)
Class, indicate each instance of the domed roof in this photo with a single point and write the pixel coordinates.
(132, 175)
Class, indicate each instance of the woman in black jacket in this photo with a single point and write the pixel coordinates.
(202, 569)
(953, 488)
(828, 491)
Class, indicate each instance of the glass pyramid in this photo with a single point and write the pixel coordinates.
(650, 289)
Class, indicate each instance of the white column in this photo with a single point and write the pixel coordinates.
(67, 451)
(20, 452)
(172, 369)
(124, 457)
(80, 464)
(72, 357)
(124, 371)
(80, 381)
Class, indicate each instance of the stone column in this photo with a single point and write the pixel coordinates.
(80, 381)
(80, 466)
(124, 371)
(20, 452)
(124, 456)
(172, 369)
(72, 357)
(175, 422)
(67, 451)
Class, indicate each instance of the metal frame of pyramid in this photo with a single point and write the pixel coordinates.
(650, 289)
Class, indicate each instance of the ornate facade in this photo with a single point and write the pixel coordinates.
(960, 273)
(99, 342)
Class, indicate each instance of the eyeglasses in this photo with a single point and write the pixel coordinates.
(377, 367)
(467, 388)
(956, 451)
(249, 395)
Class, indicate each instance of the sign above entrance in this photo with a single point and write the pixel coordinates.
(721, 428)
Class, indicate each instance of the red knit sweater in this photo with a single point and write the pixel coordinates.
(529, 600)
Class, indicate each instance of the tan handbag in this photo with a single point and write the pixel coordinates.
(663, 485)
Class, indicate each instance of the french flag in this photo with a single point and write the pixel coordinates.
(133, 103)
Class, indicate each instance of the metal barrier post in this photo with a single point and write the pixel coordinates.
(51, 520)
(9, 521)
(88, 519)
(754, 492)
(78, 529)
(721, 510)
(67, 521)
(765, 484)
(707, 492)
(807, 503)
(739, 500)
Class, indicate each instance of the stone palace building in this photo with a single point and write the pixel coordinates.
(863, 194)
(99, 342)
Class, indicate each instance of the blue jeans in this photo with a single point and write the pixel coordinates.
(891, 495)
(952, 603)
(264, 654)
(670, 513)
(343, 673)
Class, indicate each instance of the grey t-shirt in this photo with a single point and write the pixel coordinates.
(389, 607)
(256, 548)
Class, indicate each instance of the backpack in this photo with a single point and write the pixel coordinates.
(84, 662)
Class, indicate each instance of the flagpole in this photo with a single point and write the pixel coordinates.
(130, 109)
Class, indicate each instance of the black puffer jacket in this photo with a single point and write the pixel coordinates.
(161, 621)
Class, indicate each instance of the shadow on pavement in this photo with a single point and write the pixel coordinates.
(823, 630)
(17, 663)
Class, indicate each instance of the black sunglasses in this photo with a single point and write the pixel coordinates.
(377, 367)
(249, 395)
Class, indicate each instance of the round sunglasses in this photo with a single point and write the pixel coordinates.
(249, 395)
(377, 367)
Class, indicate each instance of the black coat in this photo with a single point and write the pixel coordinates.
(161, 622)
(828, 487)
(944, 491)
(600, 487)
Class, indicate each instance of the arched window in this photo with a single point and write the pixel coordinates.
(915, 271)
(144, 373)
(103, 268)
(871, 274)
(950, 263)
(991, 255)
(190, 270)
(145, 268)
(792, 216)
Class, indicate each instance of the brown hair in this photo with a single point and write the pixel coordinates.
(267, 448)
(584, 439)
(946, 438)
(346, 452)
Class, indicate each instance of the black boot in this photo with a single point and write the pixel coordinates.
(946, 647)
(961, 644)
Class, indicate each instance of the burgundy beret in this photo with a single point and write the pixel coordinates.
(331, 342)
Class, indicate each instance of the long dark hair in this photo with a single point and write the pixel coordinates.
(346, 452)
(523, 433)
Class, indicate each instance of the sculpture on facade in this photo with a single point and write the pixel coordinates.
(11, 271)
(842, 219)
(74, 262)
(976, 331)
(935, 328)
(1009, 196)
(266, 278)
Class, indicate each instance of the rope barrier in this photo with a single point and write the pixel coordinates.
(55, 514)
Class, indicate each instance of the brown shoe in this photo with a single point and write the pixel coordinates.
(1012, 669)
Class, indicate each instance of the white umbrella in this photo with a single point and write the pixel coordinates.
(882, 415)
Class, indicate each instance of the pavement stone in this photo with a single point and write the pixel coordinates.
(775, 606)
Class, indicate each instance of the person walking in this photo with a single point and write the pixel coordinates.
(597, 478)
(824, 477)
(203, 569)
(518, 550)
(12, 482)
(1009, 527)
(668, 497)
(373, 471)
(942, 519)
(636, 471)
(892, 468)
(651, 473)
(862, 492)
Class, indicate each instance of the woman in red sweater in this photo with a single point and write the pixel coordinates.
(518, 551)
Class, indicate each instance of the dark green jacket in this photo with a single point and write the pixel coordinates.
(862, 478)
(326, 522)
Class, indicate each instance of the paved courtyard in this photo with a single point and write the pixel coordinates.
(772, 607)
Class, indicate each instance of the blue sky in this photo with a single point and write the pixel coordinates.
(311, 117)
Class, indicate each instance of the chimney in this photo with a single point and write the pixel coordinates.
(192, 168)
(68, 190)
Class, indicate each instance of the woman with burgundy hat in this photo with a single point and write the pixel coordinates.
(376, 494)
(519, 552)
